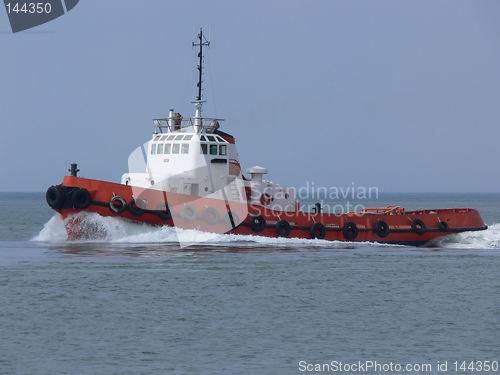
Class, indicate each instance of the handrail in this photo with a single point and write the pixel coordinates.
(190, 118)
(390, 209)
(183, 123)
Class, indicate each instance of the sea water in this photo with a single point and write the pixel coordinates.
(132, 301)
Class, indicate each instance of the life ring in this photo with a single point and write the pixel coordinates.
(257, 223)
(188, 212)
(117, 205)
(282, 228)
(318, 231)
(443, 226)
(266, 199)
(163, 211)
(350, 231)
(418, 226)
(136, 207)
(381, 228)
(210, 216)
(81, 198)
(54, 197)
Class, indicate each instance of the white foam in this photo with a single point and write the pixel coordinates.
(486, 239)
(52, 231)
(97, 228)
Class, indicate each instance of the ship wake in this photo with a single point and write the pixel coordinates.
(94, 228)
(486, 239)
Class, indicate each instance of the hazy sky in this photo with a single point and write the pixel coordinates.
(403, 95)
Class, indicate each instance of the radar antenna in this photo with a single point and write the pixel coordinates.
(202, 41)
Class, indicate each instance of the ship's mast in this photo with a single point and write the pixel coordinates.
(202, 41)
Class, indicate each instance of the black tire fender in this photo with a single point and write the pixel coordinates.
(55, 197)
(283, 228)
(136, 207)
(443, 226)
(163, 211)
(350, 231)
(382, 228)
(210, 216)
(81, 198)
(418, 226)
(188, 212)
(257, 223)
(318, 231)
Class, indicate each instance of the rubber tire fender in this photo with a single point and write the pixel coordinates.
(350, 231)
(443, 226)
(257, 223)
(283, 228)
(210, 216)
(318, 231)
(185, 215)
(418, 226)
(381, 228)
(81, 198)
(135, 207)
(120, 209)
(163, 211)
(54, 197)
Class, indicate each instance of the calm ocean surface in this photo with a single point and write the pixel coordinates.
(136, 303)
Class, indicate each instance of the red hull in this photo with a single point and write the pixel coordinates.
(399, 225)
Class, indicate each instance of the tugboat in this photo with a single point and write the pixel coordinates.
(189, 176)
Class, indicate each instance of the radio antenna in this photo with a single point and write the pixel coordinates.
(202, 41)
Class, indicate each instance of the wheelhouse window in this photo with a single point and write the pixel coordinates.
(203, 138)
(159, 148)
(211, 138)
(153, 149)
(222, 150)
(157, 137)
(204, 148)
(170, 137)
(188, 137)
(185, 148)
(213, 149)
(179, 137)
(163, 138)
(167, 148)
(175, 148)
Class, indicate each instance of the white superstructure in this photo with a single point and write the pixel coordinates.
(193, 157)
